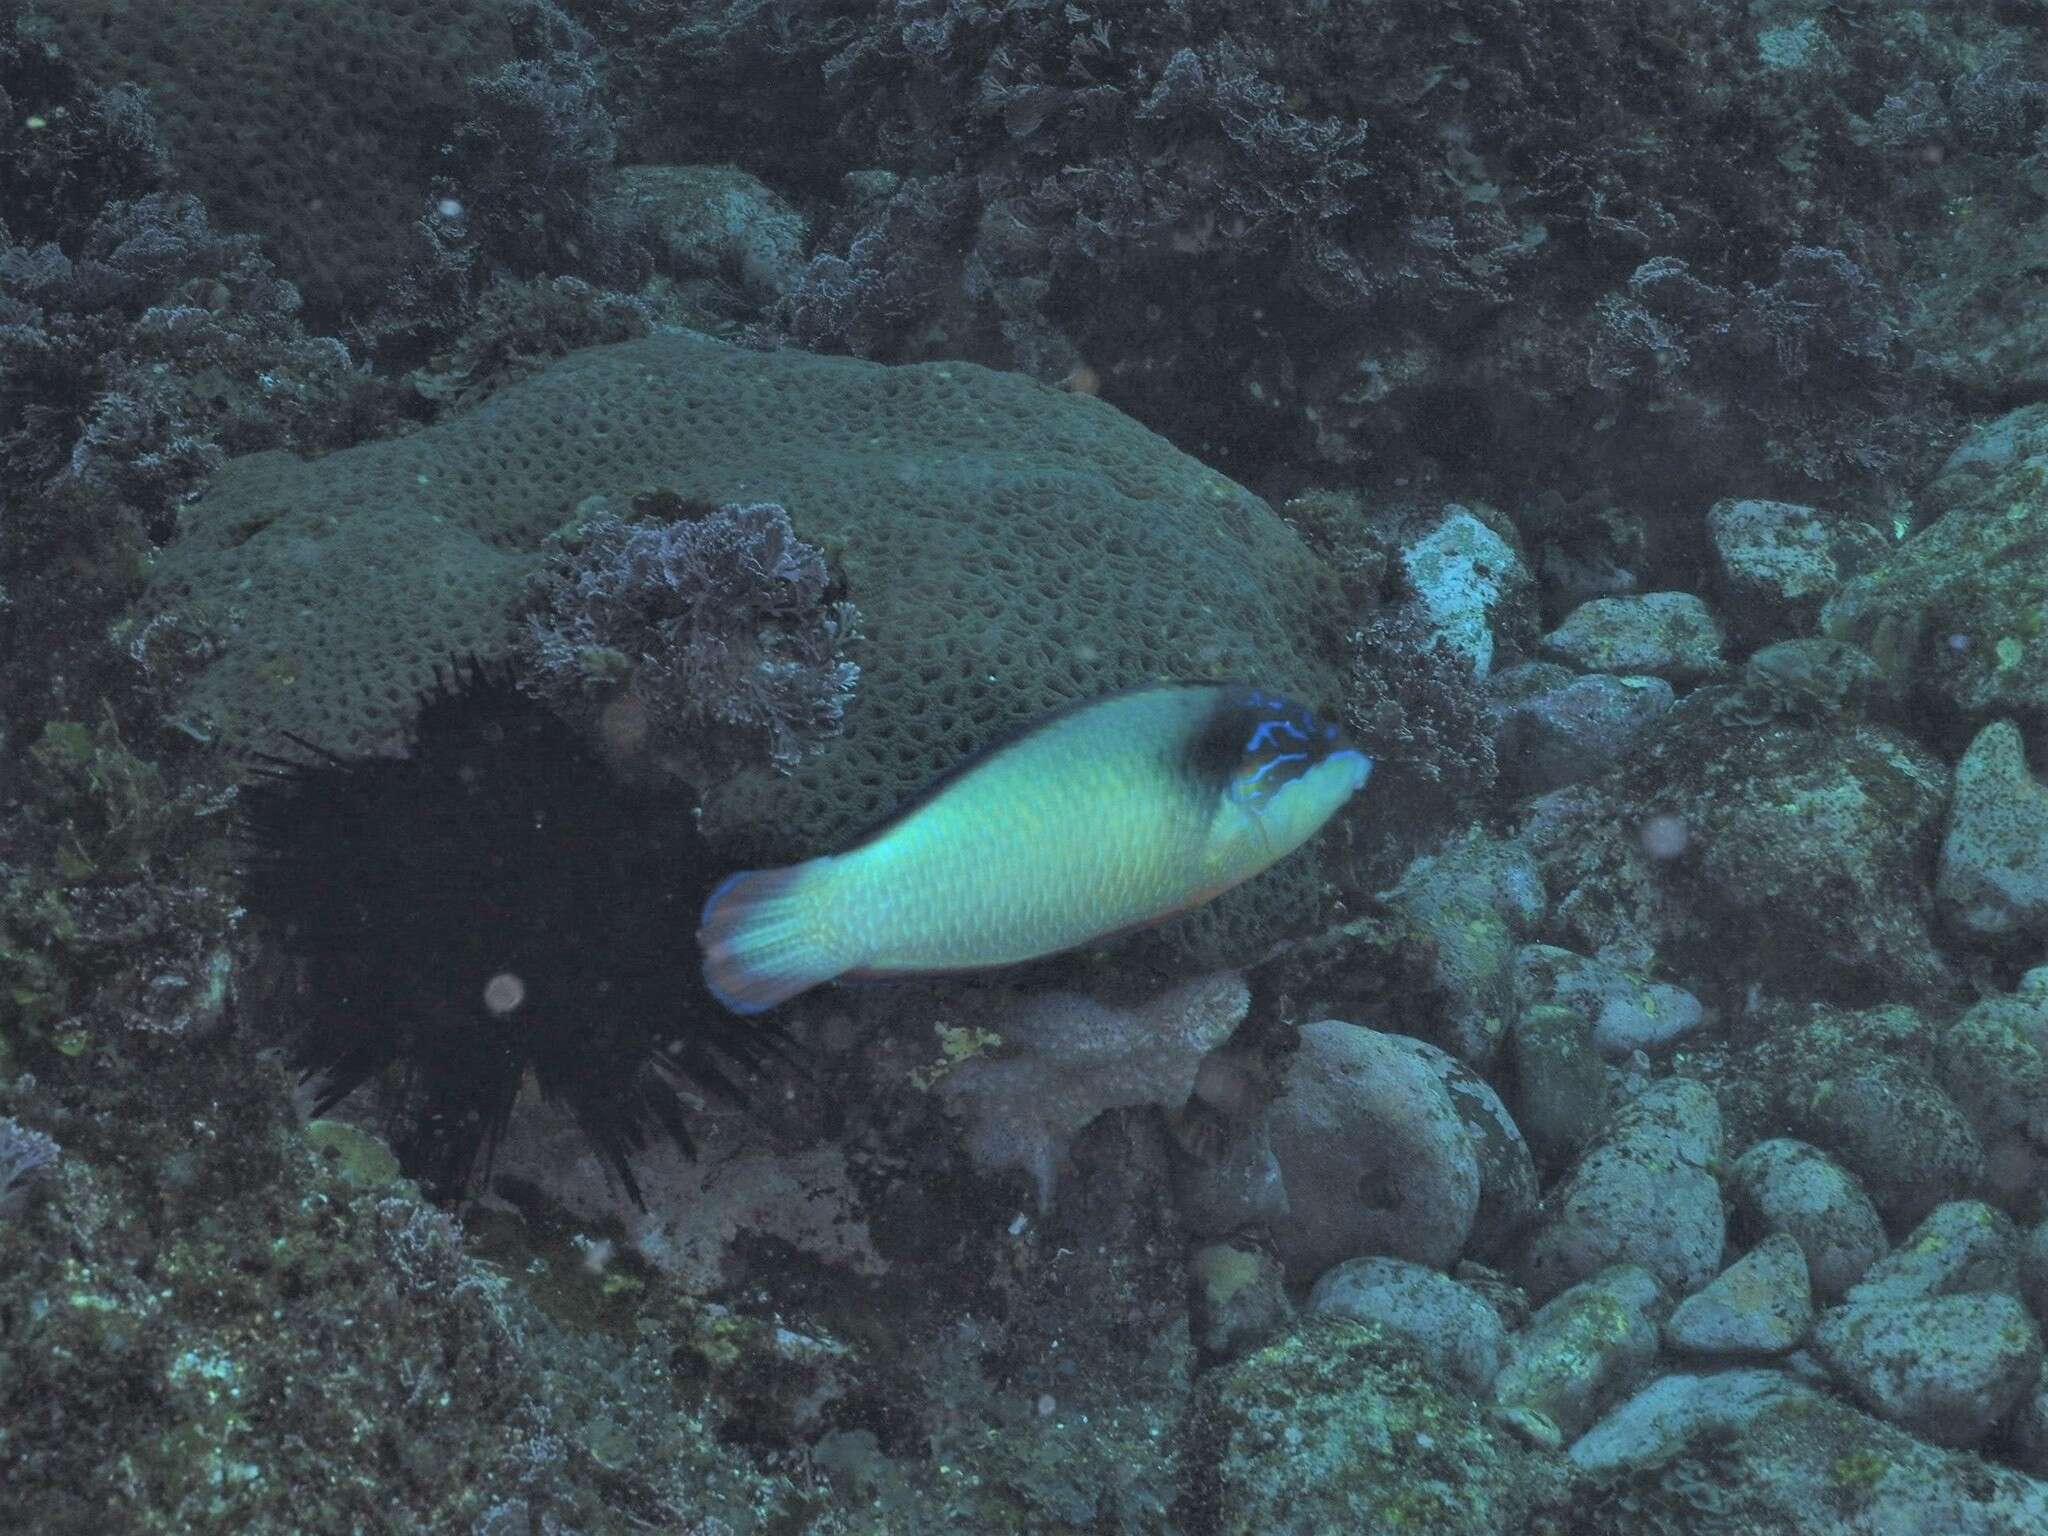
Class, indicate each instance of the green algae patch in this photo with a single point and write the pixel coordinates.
(1335, 1427)
(354, 1155)
(1952, 611)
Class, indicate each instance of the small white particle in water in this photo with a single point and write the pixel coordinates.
(504, 992)
(1018, 1223)
(1665, 837)
(1959, 643)
(1046, 1405)
(450, 208)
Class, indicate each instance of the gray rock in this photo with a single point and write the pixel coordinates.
(2030, 1430)
(1675, 1411)
(1812, 679)
(1578, 729)
(1742, 829)
(1842, 808)
(1561, 1085)
(1964, 1245)
(1786, 1186)
(1801, 50)
(1801, 1462)
(1522, 682)
(1804, 1364)
(1644, 1194)
(1861, 1087)
(1571, 574)
(1762, 1304)
(1375, 1156)
(1585, 1348)
(2034, 1271)
(1462, 574)
(1992, 882)
(1671, 635)
(1451, 1326)
(1947, 1368)
(1994, 446)
(1507, 1172)
(1779, 561)
(870, 184)
(1953, 613)
(1477, 898)
(1629, 1014)
(1333, 1427)
(1994, 1064)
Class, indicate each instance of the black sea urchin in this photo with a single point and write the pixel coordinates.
(493, 903)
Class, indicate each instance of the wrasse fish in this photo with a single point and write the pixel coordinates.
(1109, 815)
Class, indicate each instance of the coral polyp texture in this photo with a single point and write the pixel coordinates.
(316, 125)
(1010, 548)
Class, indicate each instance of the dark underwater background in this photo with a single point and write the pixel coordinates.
(475, 473)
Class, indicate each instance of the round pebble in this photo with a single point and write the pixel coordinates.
(1964, 1245)
(1993, 878)
(1560, 1085)
(1762, 1304)
(1947, 1368)
(1628, 1012)
(1585, 1349)
(1671, 635)
(1786, 1186)
(1450, 1326)
(1675, 1411)
(1644, 1194)
(1374, 1155)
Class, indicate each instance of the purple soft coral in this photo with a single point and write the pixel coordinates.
(24, 1154)
(722, 619)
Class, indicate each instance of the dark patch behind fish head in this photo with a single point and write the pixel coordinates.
(1255, 742)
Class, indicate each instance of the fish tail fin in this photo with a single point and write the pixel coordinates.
(760, 939)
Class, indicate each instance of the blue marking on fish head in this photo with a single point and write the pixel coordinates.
(1268, 742)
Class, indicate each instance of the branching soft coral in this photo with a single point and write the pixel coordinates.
(724, 619)
(524, 190)
(1386, 229)
(70, 146)
(888, 283)
(135, 361)
(138, 343)
(528, 165)
(1058, 165)
(1806, 370)
(139, 346)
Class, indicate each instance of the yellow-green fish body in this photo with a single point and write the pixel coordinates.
(1106, 816)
